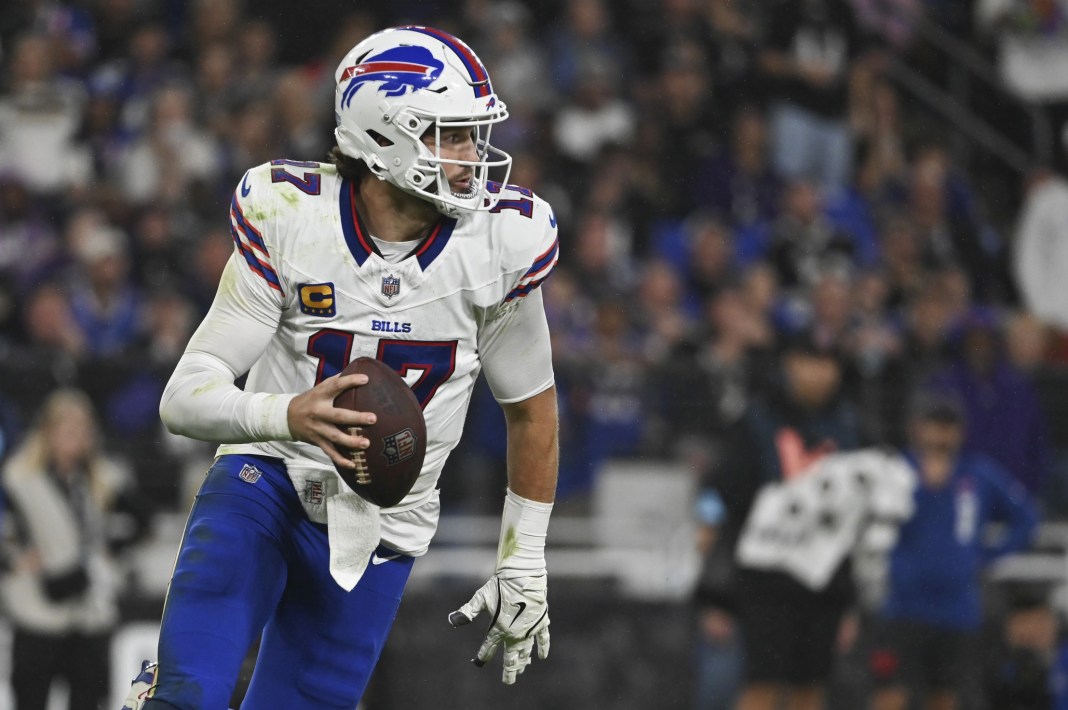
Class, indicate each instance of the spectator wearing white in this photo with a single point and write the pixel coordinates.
(1041, 254)
(39, 121)
(595, 117)
(1032, 40)
(59, 586)
(172, 154)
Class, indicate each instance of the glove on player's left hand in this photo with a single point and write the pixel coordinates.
(520, 618)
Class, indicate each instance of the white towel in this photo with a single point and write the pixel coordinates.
(354, 529)
(353, 525)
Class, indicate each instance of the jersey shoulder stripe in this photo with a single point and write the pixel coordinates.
(545, 261)
(525, 290)
(253, 235)
(249, 241)
(258, 266)
(537, 273)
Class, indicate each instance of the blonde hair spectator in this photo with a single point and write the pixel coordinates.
(59, 589)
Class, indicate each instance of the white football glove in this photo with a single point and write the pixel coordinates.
(520, 619)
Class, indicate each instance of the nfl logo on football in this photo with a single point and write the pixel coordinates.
(398, 447)
(390, 286)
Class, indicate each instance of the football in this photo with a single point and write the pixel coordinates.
(386, 471)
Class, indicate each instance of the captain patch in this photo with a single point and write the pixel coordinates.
(318, 300)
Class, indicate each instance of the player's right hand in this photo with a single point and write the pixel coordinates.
(314, 419)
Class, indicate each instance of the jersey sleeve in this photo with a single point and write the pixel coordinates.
(515, 351)
(201, 400)
(540, 252)
(249, 210)
(514, 344)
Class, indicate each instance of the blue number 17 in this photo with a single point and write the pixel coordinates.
(432, 361)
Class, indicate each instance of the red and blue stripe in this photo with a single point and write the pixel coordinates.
(535, 276)
(362, 246)
(475, 68)
(435, 243)
(241, 226)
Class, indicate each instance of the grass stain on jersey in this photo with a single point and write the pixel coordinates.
(208, 387)
(227, 284)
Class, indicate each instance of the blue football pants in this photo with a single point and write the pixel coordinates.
(252, 561)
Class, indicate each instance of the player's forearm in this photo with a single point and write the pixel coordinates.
(533, 449)
(202, 402)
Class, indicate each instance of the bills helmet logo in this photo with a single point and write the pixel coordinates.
(390, 286)
(397, 71)
(398, 447)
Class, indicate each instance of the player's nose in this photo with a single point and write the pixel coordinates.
(470, 150)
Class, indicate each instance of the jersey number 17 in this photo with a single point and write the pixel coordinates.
(424, 364)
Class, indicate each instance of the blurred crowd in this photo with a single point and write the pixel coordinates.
(727, 174)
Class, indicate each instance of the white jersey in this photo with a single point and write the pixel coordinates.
(305, 266)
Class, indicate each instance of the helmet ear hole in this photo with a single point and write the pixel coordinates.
(378, 138)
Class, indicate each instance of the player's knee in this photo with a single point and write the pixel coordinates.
(337, 681)
(215, 557)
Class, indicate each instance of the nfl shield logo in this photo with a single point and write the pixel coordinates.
(313, 492)
(390, 286)
(399, 446)
(249, 474)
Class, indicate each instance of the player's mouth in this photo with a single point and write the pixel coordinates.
(464, 186)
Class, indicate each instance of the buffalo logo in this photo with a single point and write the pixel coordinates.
(390, 286)
(398, 447)
(397, 70)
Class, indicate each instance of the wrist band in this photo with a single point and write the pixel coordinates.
(524, 526)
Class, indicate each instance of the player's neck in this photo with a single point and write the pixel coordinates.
(393, 215)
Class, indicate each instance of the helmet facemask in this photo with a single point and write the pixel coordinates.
(428, 179)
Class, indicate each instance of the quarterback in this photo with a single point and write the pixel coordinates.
(401, 249)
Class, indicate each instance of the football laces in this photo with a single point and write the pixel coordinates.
(358, 457)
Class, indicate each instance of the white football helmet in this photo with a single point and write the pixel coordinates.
(399, 83)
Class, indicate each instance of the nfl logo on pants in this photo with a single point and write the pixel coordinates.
(249, 474)
(390, 286)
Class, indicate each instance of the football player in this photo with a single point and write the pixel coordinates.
(401, 249)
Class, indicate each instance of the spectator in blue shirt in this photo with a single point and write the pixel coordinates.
(933, 609)
(1005, 418)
